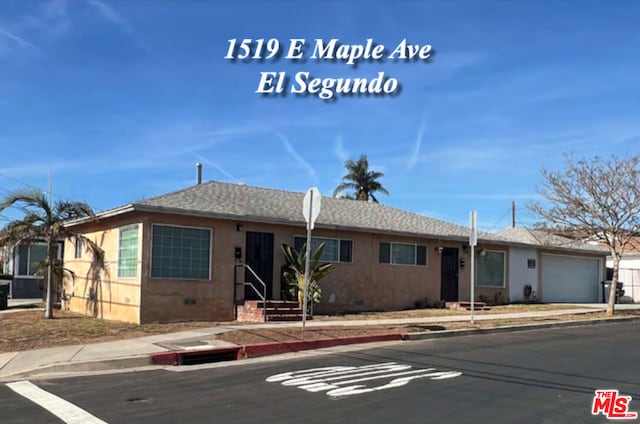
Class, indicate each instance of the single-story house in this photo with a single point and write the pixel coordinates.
(557, 269)
(173, 257)
(21, 260)
(629, 270)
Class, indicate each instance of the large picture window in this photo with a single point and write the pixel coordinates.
(335, 250)
(491, 269)
(29, 257)
(128, 252)
(180, 252)
(403, 254)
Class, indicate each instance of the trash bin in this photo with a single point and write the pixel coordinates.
(606, 289)
(4, 296)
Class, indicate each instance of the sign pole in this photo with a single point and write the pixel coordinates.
(473, 240)
(310, 211)
(307, 260)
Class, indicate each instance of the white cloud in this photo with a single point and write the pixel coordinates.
(339, 151)
(114, 17)
(17, 39)
(416, 150)
(218, 168)
(303, 163)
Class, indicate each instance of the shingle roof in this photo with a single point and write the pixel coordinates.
(527, 236)
(255, 203)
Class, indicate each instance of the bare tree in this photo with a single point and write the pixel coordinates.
(596, 199)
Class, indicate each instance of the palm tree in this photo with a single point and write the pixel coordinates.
(295, 262)
(43, 221)
(361, 180)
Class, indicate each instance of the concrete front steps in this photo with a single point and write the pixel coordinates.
(466, 306)
(277, 310)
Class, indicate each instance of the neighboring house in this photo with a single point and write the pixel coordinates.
(172, 257)
(21, 260)
(629, 270)
(557, 268)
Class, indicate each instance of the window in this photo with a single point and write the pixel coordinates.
(128, 252)
(403, 254)
(335, 250)
(491, 270)
(180, 252)
(29, 256)
(78, 248)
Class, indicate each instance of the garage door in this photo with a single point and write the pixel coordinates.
(570, 279)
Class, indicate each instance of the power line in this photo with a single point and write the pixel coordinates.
(33, 186)
(508, 211)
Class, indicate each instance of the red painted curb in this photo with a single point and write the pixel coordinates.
(265, 349)
(164, 358)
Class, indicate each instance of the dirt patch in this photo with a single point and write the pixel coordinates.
(431, 312)
(29, 330)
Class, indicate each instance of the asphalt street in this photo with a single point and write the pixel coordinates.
(544, 376)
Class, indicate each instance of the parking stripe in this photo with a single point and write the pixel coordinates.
(66, 411)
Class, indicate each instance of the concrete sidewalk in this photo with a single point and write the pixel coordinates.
(133, 353)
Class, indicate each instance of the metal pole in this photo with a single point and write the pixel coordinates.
(472, 280)
(473, 257)
(305, 289)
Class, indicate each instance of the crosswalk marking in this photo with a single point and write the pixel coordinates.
(66, 411)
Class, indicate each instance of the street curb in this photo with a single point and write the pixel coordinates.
(216, 354)
(513, 328)
(232, 353)
(84, 366)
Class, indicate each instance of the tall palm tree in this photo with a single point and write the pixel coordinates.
(362, 181)
(42, 221)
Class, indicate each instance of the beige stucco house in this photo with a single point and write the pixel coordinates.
(173, 257)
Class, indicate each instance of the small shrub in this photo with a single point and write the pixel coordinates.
(499, 299)
(486, 299)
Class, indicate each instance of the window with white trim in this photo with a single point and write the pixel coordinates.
(335, 250)
(491, 269)
(180, 252)
(403, 254)
(128, 251)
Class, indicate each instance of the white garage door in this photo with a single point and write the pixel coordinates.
(570, 279)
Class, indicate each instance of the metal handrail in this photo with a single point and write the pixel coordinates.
(262, 295)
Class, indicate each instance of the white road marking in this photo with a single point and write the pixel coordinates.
(66, 411)
(333, 379)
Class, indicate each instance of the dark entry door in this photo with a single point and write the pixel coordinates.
(259, 256)
(449, 275)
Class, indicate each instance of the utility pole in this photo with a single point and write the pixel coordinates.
(513, 214)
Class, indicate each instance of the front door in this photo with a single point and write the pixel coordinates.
(449, 274)
(259, 256)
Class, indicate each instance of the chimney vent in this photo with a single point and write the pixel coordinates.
(198, 173)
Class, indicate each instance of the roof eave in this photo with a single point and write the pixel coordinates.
(101, 215)
(268, 220)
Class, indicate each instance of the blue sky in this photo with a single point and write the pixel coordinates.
(122, 98)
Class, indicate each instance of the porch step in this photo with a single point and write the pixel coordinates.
(280, 317)
(466, 305)
(276, 310)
